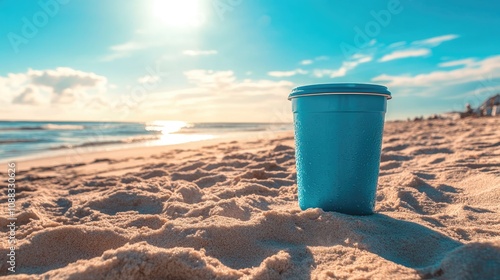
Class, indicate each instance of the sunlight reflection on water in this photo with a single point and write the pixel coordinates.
(170, 132)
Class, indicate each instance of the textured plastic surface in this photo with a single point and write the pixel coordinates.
(338, 144)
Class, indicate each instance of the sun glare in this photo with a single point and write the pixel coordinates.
(166, 127)
(178, 13)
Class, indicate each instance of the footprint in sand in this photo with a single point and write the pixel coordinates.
(395, 157)
(430, 151)
(390, 165)
(395, 148)
(152, 222)
(153, 174)
(125, 201)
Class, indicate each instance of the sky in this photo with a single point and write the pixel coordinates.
(237, 60)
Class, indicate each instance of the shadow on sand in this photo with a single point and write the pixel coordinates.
(250, 245)
(280, 242)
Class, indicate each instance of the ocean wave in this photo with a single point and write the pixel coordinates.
(45, 127)
(104, 143)
(62, 127)
(18, 141)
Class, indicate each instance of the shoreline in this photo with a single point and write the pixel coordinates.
(29, 140)
(78, 151)
(120, 152)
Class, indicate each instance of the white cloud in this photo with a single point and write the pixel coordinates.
(435, 41)
(126, 49)
(253, 87)
(128, 46)
(397, 44)
(306, 62)
(417, 48)
(210, 78)
(346, 66)
(460, 62)
(404, 54)
(361, 58)
(221, 96)
(484, 89)
(97, 102)
(55, 94)
(280, 74)
(59, 86)
(28, 97)
(311, 61)
(63, 78)
(66, 84)
(199, 52)
(332, 73)
(488, 68)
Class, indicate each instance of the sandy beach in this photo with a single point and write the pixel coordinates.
(228, 210)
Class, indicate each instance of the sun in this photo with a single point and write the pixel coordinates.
(178, 13)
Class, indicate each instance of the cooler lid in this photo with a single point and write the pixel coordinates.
(339, 88)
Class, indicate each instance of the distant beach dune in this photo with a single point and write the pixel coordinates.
(228, 210)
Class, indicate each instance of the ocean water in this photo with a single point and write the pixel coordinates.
(23, 139)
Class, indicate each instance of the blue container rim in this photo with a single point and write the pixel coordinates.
(339, 88)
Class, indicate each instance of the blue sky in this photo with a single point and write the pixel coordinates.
(237, 60)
